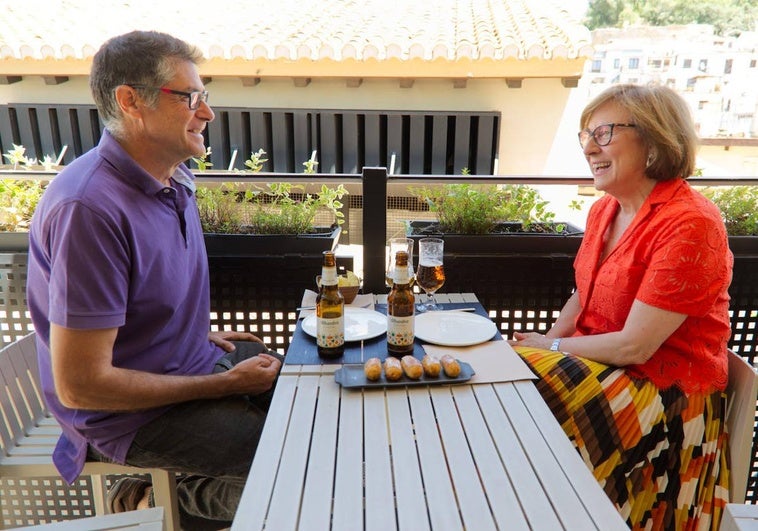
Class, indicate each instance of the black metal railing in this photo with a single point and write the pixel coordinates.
(519, 290)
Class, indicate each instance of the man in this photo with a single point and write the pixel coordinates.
(118, 291)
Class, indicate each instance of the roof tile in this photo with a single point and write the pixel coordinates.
(302, 29)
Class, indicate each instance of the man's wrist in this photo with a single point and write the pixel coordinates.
(556, 346)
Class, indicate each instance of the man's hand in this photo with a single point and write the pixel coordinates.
(224, 338)
(255, 375)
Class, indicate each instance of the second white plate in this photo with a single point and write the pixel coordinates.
(360, 324)
(454, 329)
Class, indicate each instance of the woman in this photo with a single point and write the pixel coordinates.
(635, 366)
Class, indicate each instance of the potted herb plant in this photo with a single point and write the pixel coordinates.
(739, 210)
(18, 200)
(20, 191)
(503, 244)
(241, 220)
(21, 188)
(473, 218)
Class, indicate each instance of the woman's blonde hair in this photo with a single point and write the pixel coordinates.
(664, 122)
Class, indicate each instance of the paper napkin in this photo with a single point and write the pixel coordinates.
(493, 361)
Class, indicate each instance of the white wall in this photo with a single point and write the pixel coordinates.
(32, 89)
(538, 130)
(533, 139)
(737, 161)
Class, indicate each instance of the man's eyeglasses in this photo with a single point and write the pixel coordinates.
(602, 134)
(193, 98)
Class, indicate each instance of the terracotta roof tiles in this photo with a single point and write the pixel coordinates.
(276, 30)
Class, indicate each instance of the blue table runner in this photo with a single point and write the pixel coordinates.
(302, 349)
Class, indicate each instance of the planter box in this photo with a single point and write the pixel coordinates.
(323, 239)
(256, 245)
(510, 239)
(14, 242)
(744, 245)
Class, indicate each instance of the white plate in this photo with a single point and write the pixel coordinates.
(454, 329)
(360, 324)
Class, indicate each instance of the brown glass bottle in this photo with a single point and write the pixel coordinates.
(330, 311)
(400, 309)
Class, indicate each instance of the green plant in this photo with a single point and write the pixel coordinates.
(47, 162)
(310, 165)
(576, 204)
(18, 200)
(256, 160)
(16, 156)
(739, 208)
(202, 161)
(218, 208)
(278, 209)
(477, 209)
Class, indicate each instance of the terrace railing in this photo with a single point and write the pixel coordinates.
(525, 291)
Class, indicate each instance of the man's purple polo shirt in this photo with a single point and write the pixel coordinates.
(109, 247)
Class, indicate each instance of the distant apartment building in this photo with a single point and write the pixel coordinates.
(718, 76)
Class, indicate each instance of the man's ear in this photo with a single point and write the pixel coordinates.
(128, 100)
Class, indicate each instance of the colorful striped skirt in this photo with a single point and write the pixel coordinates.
(660, 455)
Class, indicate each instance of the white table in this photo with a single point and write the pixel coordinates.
(477, 457)
(740, 517)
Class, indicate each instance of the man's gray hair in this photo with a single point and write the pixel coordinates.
(137, 58)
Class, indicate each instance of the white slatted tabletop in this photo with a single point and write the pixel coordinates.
(477, 457)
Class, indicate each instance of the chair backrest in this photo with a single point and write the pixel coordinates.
(21, 404)
(740, 421)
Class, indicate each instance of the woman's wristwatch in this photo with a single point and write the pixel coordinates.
(556, 345)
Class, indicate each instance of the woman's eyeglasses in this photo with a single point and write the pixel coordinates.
(602, 134)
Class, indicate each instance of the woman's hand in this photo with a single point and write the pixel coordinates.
(530, 339)
(224, 338)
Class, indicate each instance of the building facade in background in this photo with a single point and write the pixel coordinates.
(718, 76)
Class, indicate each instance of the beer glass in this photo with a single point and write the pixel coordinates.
(430, 275)
(394, 245)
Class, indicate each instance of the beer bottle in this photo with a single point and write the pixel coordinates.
(400, 309)
(330, 311)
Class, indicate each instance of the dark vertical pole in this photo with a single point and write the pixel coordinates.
(345, 236)
(374, 228)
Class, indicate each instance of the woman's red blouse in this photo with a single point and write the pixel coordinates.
(674, 256)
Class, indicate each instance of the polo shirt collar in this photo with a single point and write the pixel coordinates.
(184, 176)
(110, 150)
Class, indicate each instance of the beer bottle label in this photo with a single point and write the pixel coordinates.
(330, 332)
(400, 330)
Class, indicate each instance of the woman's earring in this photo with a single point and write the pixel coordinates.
(650, 160)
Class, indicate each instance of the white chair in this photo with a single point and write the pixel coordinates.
(739, 517)
(28, 435)
(740, 421)
(145, 520)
